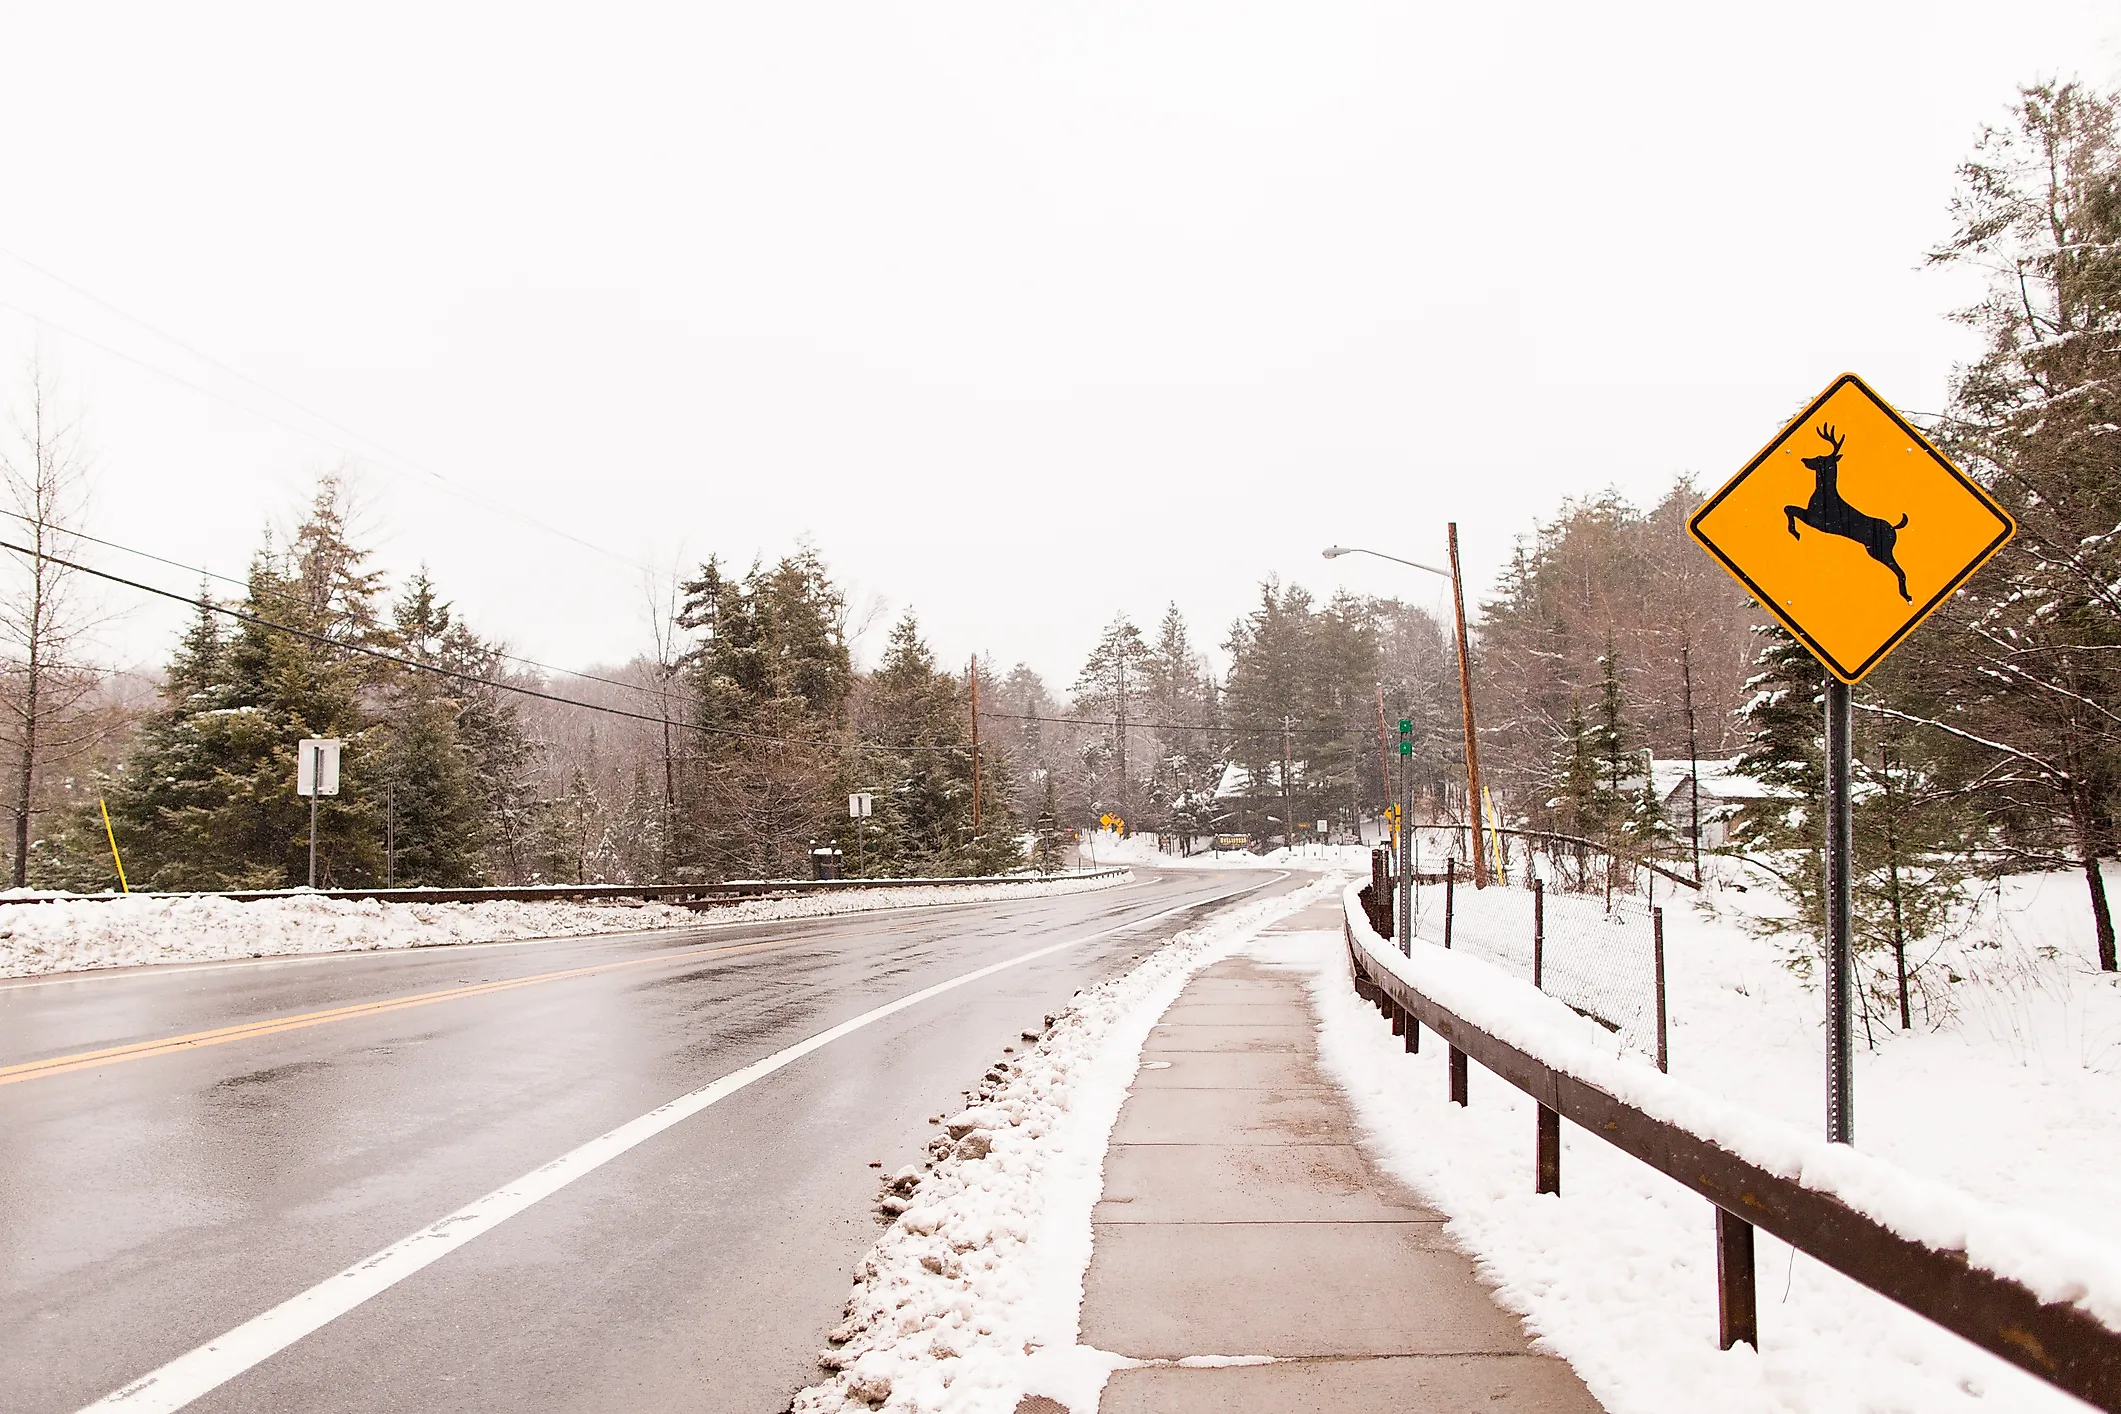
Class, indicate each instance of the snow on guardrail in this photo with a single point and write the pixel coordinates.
(2057, 1263)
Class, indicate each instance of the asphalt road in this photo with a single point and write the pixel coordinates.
(152, 1201)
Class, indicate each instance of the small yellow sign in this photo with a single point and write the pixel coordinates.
(1851, 528)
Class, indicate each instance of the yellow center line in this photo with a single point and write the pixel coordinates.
(169, 1045)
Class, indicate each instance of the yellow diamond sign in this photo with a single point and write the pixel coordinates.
(1851, 528)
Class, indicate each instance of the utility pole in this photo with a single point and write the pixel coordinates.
(1405, 910)
(1288, 809)
(975, 746)
(1119, 726)
(390, 835)
(1693, 749)
(1384, 757)
(1465, 697)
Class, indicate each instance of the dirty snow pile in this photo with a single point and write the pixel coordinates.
(61, 934)
(971, 1299)
(1976, 1136)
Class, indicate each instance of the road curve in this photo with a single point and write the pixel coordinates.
(184, 1148)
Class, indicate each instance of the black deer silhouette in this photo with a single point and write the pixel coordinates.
(1828, 514)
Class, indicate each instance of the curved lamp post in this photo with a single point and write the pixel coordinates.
(1465, 688)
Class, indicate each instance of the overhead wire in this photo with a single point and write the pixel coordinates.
(243, 584)
(455, 674)
(388, 453)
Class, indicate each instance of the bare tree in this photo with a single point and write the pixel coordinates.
(43, 622)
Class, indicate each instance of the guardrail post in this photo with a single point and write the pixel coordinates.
(1450, 888)
(1413, 1035)
(1737, 1310)
(1539, 934)
(1458, 1076)
(1399, 1018)
(1550, 1151)
(1657, 947)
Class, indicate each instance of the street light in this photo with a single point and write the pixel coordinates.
(1334, 552)
(1465, 688)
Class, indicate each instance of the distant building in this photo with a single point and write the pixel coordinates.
(1725, 790)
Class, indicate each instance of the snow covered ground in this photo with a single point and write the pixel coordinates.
(68, 935)
(2008, 1107)
(972, 1297)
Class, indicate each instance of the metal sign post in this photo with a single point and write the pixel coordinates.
(1405, 910)
(859, 806)
(316, 773)
(1890, 529)
(1840, 954)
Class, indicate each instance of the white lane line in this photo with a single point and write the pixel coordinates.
(213, 1364)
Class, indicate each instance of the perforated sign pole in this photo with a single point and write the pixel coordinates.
(316, 781)
(1840, 955)
(1851, 529)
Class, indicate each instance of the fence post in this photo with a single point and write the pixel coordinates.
(1737, 1312)
(1549, 1151)
(1539, 934)
(1657, 949)
(1458, 1076)
(1450, 889)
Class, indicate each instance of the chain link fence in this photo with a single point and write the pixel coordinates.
(1583, 925)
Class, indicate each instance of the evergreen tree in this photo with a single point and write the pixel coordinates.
(920, 718)
(436, 825)
(1113, 695)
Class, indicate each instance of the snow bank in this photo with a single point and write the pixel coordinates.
(1107, 847)
(972, 1299)
(70, 935)
(1618, 1274)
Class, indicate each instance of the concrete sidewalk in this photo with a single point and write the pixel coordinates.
(1241, 1217)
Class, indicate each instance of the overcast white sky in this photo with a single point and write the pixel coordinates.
(1024, 315)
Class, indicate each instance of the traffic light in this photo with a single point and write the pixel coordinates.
(1406, 737)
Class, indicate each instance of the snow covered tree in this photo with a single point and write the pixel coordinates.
(2029, 678)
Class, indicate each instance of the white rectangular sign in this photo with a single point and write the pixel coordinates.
(317, 765)
(858, 805)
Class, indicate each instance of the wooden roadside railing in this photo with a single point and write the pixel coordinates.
(2058, 1341)
(727, 891)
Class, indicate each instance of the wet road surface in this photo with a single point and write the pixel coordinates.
(184, 1148)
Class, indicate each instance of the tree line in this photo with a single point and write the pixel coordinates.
(727, 748)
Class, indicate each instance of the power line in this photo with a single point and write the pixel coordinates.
(389, 454)
(455, 674)
(245, 585)
(1238, 728)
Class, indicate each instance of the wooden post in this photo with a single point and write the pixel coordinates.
(1737, 1310)
(1413, 1035)
(1450, 888)
(973, 676)
(1399, 1020)
(1550, 1151)
(1458, 1076)
(1465, 700)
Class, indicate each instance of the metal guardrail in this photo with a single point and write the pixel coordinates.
(2059, 1342)
(723, 892)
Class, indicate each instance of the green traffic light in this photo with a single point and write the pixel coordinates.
(1406, 727)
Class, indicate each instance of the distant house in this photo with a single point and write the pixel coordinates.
(1725, 790)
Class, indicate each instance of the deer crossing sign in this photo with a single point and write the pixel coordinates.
(1851, 528)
